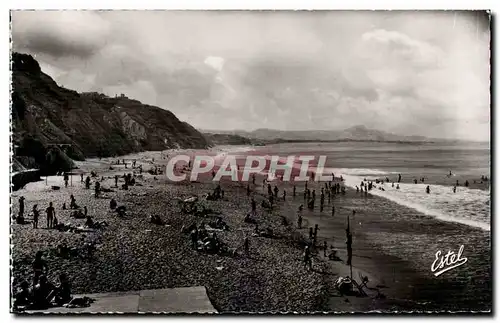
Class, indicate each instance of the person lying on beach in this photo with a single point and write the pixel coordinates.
(23, 296)
(41, 293)
(155, 219)
(78, 214)
(112, 204)
(121, 210)
(62, 293)
(248, 219)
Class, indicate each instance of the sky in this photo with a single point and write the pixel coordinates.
(407, 72)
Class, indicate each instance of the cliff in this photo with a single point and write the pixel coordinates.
(92, 124)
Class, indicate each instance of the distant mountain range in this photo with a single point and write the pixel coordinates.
(356, 133)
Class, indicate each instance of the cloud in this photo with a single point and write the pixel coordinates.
(60, 33)
(418, 72)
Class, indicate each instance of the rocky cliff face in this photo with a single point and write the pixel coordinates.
(93, 124)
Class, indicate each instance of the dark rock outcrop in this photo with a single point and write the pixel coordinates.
(45, 115)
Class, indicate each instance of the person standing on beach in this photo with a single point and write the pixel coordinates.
(97, 189)
(349, 246)
(36, 214)
(294, 190)
(428, 189)
(21, 206)
(39, 267)
(253, 179)
(454, 189)
(269, 190)
(333, 210)
(51, 213)
(399, 178)
(81, 178)
(246, 245)
(299, 221)
(314, 195)
(284, 195)
(248, 189)
(87, 182)
(311, 233)
(276, 190)
(307, 257)
(254, 206)
(325, 247)
(116, 180)
(66, 178)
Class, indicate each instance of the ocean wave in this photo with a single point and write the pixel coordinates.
(467, 206)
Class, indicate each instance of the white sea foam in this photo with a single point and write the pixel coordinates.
(467, 206)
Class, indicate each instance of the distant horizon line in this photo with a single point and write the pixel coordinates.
(332, 130)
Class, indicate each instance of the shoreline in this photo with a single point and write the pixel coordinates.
(367, 259)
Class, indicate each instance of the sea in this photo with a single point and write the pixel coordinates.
(411, 225)
(369, 161)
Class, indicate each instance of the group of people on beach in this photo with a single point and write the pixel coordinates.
(42, 293)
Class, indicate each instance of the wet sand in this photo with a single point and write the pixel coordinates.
(134, 254)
